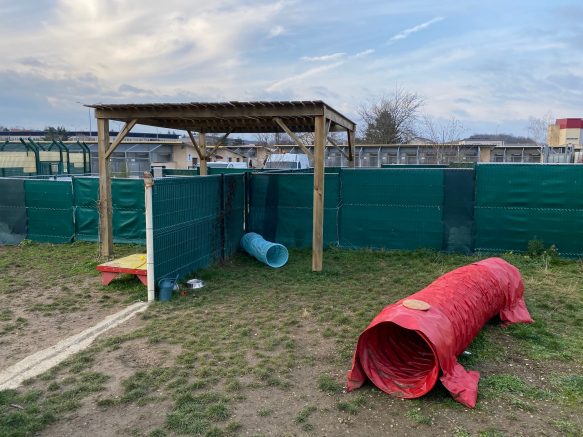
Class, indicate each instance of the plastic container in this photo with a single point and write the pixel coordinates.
(273, 254)
(166, 287)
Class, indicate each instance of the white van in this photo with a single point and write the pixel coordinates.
(292, 161)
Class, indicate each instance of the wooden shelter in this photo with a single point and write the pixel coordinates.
(290, 117)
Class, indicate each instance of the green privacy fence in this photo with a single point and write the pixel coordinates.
(49, 211)
(196, 221)
(393, 209)
(281, 207)
(60, 211)
(12, 211)
(128, 217)
(518, 203)
(210, 171)
(373, 208)
(494, 208)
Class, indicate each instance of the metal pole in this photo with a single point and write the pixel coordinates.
(148, 184)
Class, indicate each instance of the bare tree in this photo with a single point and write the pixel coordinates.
(537, 128)
(444, 137)
(390, 119)
(271, 139)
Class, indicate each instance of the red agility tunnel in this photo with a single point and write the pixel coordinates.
(403, 349)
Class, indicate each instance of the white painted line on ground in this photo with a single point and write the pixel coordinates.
(42, 361)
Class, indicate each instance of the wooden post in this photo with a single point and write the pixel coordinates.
(318, 213)
(202, 146)
(350, 148)
(105, 224)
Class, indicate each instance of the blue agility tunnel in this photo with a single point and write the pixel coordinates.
(273, 254)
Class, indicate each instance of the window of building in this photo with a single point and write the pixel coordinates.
(516, 157)
(230, 159)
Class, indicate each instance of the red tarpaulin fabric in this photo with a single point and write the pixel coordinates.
(403, 349)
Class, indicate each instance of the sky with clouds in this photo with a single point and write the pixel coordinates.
(490, 64)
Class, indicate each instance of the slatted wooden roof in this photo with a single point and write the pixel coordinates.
(219, 117)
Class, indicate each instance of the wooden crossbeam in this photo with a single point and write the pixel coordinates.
(120, 136)
(195, 144)
(331, 141)
(294, 137)
(219, 143)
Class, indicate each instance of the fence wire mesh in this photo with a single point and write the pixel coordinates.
(196, 221)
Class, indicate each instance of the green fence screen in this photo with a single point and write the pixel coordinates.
(522, 202)
(281, 206)
(49, 211)
(392, 208)
(196, 221)
(128, 210)
(12, 211)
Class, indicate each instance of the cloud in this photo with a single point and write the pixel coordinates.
(304, 75)
(276, 31)
(324, 58)
(144, 39)
(364, 53)
(405, 33)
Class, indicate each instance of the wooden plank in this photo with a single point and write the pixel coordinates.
(351, 148)
(294, 137)
(202, 144)
(195, 144)
(193, 112)
(120, 136)
(340, 120)
(318, 212)
(219, 143)
(105, 223)
(331, 141)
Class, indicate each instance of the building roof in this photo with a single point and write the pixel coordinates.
(570, 123)
(219, 117)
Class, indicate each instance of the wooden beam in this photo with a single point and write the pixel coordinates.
(331, 141)
(202, 144)
(218, 144)
(105, 223)
(194, 143)
(339, 119)
(120, 136)
(294, 137)
(318, 212)
(351, 135)
(211, 112)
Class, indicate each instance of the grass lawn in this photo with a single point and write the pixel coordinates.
(259, 351)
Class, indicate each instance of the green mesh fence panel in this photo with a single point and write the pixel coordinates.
(234, 211)
(521, 202)
(12, 211)
(281, 207)
(392, 209)
(187, 222)
(179, 172)
(49, 210)
(128, 216)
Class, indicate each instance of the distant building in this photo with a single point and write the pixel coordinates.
(565, 132)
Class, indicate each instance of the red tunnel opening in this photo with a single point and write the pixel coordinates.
(399, 361)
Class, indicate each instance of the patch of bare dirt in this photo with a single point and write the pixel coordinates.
(126, 418)
(41, 328)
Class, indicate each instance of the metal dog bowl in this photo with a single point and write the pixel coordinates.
(195, 283)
